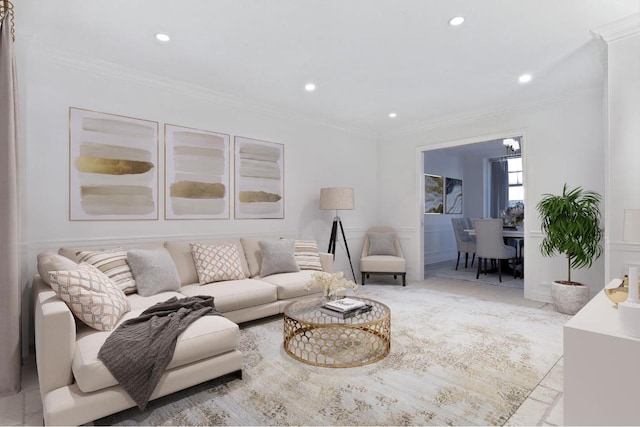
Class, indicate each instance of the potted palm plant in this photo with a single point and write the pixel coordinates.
(571, 227)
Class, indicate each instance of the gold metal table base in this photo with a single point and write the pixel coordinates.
(317, 338)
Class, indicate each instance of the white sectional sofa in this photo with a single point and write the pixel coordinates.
(76, 387)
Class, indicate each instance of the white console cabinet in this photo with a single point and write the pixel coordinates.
(601, 368)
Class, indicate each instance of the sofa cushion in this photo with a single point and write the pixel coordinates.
(383, 263)
(91, 296)
(292, 285)
(51, 261)
(206, 337)
(216, 262)
(234, 294)
(114, 264)
(277, 257)
(181, 254)
(382, 243)
(307, 255)
(153, 270)
(138, 302)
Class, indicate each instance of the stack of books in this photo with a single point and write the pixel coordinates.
(345, 308)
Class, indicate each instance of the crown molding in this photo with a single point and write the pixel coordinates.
(619, 29)
(486, 113)
(112, 70)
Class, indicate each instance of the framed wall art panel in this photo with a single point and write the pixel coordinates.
(196, 173)
(259, 179)
(453, 196)
(433, 200)
(113, 167)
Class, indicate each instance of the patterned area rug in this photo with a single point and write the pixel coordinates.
(454, 360)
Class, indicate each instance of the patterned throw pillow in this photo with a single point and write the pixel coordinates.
(307, 256)
(91, 296)
(113, 264)
(215, 263)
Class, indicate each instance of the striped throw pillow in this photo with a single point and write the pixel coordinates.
(307, 256)
(113, 264)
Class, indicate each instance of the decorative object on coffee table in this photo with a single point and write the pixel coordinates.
(331, 284)
(336, 199)
(318, 338)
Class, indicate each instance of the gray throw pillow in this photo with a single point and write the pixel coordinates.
(277, 257)
(382, 243)
(153, 270)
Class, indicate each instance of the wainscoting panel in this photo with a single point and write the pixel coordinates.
(439, 243)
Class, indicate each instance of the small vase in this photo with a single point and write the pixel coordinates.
(326, 297)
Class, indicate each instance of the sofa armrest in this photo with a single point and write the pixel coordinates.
(55, 338)
(326, 260)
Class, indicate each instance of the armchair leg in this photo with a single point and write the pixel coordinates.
(458, 261)
(466, 259)
(363, 278)
(404, 279)
(479, 267)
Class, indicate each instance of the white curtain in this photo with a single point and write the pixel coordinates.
(10, 288)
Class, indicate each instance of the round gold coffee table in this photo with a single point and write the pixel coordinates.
(315, 337)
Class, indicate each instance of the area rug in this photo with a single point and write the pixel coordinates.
(454, 360)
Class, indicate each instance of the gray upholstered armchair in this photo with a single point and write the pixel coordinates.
(382, 254)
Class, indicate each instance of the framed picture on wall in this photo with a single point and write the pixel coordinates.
(196, 173)
(259, 179)
(113, 167)
(433, 191)
(453, 196)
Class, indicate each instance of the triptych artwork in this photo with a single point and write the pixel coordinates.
(114, 171)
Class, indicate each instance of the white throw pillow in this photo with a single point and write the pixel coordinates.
(114, 264)
(153, 270)
(215, 263)
(51, 261)
(91, 296)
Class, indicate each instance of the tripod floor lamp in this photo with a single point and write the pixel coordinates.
(338, 198)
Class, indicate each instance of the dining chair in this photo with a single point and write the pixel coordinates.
(464, 242)
(490, 245)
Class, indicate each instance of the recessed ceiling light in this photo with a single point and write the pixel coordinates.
(456, 20)
(393, 115)
(309, 87)
(162, 37)
(525, 78)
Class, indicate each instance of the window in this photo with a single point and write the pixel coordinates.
(516, 190)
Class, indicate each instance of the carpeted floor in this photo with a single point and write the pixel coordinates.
(455, 360)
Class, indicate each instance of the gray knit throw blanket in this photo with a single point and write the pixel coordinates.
(138, 351)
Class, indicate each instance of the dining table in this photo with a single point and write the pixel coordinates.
(506, 232)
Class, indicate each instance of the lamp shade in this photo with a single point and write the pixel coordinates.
(631, 230)
(337, 198)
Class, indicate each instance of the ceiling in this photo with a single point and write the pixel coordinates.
(367, 57)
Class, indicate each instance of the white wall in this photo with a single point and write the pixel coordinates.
(316, 155)
(623, 141)
(476, 180)
(439, 240)
(563, 143)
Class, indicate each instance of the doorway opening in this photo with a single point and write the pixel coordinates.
(471, 179)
